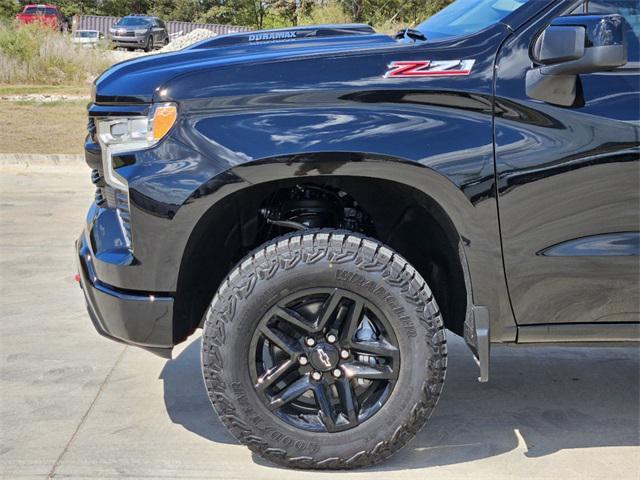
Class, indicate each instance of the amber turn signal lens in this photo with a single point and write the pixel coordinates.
(164, 117)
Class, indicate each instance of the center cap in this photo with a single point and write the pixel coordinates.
(324, 357)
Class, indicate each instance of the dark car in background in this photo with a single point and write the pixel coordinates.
(139, 31)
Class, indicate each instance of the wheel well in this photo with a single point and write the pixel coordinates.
(402, 217)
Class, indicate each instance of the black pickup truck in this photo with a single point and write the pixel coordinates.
(325, 201)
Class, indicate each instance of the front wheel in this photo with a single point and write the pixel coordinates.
(324, 350)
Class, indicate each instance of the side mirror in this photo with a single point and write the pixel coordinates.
(570, 46)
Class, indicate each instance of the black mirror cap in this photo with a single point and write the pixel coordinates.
(567, 37)
(605, 44)
(600, 30)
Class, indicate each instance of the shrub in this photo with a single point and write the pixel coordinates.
(36, 54)
(8, 8)
(329, 13)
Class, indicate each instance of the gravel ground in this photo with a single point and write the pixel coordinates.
(189, 39)
(43, 97)
(175, 45)
(75, 405)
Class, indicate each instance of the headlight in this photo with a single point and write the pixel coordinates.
(137, 133)
(130, 134)
(141, 32)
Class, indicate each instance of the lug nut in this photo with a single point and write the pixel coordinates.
(310, 342)
(337, 373)
(316, 376)
(303, 360)
(344, 354)
(331, 338)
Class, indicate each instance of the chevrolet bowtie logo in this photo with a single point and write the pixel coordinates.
(324, 357)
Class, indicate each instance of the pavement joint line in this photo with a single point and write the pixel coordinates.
(56, 464)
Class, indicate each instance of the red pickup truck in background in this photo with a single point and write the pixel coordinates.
(48, 15)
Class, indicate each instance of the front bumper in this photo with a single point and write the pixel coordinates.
(126, 41)
(141, 319)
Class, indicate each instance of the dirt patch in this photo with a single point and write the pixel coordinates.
(43, 127)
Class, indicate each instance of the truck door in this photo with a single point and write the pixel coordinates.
(568, 173)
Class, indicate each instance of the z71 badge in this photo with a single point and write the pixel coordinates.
(429, 68)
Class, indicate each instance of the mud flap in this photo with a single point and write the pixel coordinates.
(476, 334)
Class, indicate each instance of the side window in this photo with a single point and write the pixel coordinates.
(629, 9)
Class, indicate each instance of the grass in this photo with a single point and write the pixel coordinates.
(33, 54)
(47, 128)
(37, 60)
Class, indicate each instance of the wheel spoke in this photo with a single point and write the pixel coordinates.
(327, 310)
(348, 401)
(362, 370)
(274, 374)
(290, 393)
(293, 318)
(352, 321)
(325, 411)
(381, 348)
(281, 340)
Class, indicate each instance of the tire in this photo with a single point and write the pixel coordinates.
(149, 45)
(399, 310)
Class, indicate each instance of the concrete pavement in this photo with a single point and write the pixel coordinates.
(73, 404)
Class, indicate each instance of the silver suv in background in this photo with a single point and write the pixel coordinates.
(139, 31)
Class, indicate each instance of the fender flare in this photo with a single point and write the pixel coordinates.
(479, 245)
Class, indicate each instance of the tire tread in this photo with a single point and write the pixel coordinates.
(309, 247)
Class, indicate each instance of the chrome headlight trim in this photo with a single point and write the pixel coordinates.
(117, 135)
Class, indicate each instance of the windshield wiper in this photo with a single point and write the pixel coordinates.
(410, 35)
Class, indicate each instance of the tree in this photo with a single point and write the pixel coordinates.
(385, 14)
(163, 8)
(406, 12)
(236, 12)
(120, 8)
(8, 8)
(73, 7)
(185, 11)
(293, 11)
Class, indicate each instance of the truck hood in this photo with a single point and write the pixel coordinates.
(136, 80)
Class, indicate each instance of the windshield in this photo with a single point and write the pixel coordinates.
(464, 17)
(39, 11)
(132, 22)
